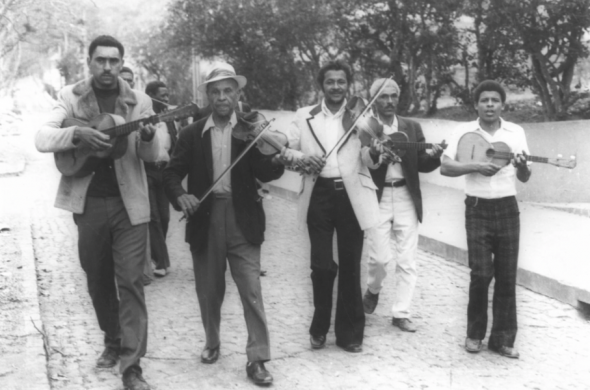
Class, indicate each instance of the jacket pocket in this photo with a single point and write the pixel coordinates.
(367, 181)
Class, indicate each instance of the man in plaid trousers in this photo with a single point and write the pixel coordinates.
(491, 220)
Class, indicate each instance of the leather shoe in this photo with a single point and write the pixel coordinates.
(473, 345)
(132, 379)
(210, 355)
(404, 324)
(258, 374)
(509, 352)
(317, 342)
(108, 358)
(352, 348)
(370, 302)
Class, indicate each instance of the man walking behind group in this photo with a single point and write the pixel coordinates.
(492, 220)
(228, 226)
(159, 204)
(400, 203)
(110, 206)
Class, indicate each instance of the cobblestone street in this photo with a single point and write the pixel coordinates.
(552, 339)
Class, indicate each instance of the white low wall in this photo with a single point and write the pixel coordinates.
(548, 184)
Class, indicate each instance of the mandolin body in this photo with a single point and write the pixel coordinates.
(82, 161)
(473, 147)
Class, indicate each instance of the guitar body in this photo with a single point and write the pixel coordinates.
(82, 161)
(473, 147)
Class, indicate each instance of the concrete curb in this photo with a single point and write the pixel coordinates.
(14, 168)
(535, 282)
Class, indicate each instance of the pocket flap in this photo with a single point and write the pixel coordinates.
(367, 181)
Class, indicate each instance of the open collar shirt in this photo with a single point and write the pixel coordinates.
(333, 131)
(394, 170)
(503, 183)
(221, 151)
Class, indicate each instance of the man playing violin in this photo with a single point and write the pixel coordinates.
(400, 207)
(338, 196)
(492, 221)
(228, 226)
(111, 206)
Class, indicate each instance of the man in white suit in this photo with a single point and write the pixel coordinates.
(339, 196)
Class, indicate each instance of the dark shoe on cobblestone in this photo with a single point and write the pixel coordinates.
(473, 345)
(509, 352)
(404, 324)
(133, 380)
(108, 358)
(317, 342)
(370, 302)
(352, 348)
(210, 355)
(258, 373)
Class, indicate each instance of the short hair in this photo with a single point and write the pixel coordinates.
(152, 87)
(126, 69)
(376, 86)
(489, 86)
(334, 65)
(105, 40)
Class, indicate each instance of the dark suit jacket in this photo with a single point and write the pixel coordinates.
(193, 157)
(412, 162)
(206, 111)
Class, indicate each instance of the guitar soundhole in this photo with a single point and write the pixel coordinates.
(490, 152)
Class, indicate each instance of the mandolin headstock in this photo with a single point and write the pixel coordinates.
(561, 162)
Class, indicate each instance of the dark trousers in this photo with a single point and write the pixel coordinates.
(159, 215)
(226, 243)
(493, 234)
(330, 210)
(112, 253)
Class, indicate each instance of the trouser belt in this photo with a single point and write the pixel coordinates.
(396, 184)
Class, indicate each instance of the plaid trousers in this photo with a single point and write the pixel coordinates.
(493, 235)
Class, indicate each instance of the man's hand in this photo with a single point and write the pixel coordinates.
(488, 169)
(519, 161)
(287, 156)
(314, 163)
(94, 139)
(147, 131)
(188, 204)
(376, 149)
(437, 150)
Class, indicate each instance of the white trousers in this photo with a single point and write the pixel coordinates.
(397, 214)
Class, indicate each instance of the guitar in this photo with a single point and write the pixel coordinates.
(398, 142)
(82, 161)
(473, 147)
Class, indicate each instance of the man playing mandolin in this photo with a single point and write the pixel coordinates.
(228, 226)
(491, 218)
(400, 205)
(110, 203)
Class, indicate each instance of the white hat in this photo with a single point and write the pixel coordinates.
(222, 71)
(379, 82)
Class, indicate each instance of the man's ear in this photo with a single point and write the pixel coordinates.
(88, 59)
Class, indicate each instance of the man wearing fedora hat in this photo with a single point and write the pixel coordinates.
(228, 226)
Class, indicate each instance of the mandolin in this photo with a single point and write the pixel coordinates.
(473, 147)
(81, 161)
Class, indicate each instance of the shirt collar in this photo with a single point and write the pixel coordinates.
(211, 123)
(329, 114)
(503, 125)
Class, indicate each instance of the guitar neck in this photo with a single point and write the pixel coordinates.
(413, 145)
(510, 156)
(130, 127)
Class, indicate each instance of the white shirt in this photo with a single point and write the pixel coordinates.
(221, 151)
(332, 130)
(394, 171)
(503, 183)
(164, 142)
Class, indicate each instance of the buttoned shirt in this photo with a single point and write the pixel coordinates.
(503, 183)
(394, 171)
(332, 132)
(221, 151)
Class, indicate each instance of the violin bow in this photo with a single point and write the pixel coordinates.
(252, 143)
(365, 110)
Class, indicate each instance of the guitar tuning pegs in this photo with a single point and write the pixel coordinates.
(573, 157)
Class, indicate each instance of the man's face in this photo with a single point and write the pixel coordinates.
(335, 86)
(489, 106)
(161, 99)
(387, 102)
(105, 65)
(128, 77)
(223, 96)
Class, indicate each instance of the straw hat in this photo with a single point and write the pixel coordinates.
(222, 71)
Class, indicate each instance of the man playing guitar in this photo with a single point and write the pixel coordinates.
(110, 205)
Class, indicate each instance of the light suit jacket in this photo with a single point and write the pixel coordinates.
(79, 101)
(305, 138)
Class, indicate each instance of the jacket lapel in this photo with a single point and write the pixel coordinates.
(347, 121)
(208, 153)
(403, 127)
(313, 121)
(88, 105)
